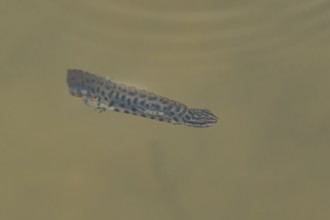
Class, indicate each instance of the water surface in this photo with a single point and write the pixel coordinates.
(261, 66)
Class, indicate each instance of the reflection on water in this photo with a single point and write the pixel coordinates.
(261, 66)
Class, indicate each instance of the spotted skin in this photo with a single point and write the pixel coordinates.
(105, 94)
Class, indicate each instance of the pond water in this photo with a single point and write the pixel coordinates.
(261, 66)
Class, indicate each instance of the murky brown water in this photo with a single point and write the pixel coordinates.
(262, 66)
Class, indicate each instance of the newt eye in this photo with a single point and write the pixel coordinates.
(94, 97)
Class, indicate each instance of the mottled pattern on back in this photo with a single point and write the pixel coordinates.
(105, 94)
